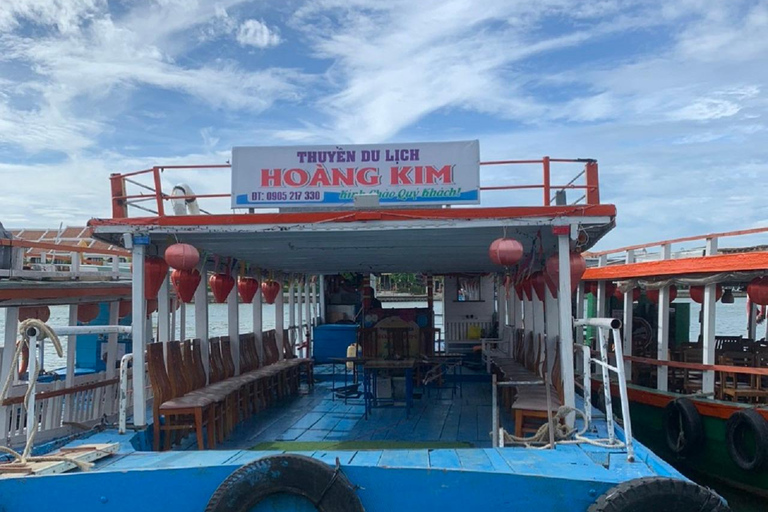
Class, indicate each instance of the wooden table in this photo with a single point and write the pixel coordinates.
(371, 370)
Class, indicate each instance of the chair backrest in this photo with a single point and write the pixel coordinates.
(189, 367)
(198, 365)
(729, 343)
(228, 364)
(216, 364)
(179, 384)
(270, 347)
(287, 346)
(367, 339)
(693, 355)
(158, 378)
(246, 360)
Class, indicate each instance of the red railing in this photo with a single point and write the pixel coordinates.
(121, 200)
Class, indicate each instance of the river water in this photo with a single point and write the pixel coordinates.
(731, 320)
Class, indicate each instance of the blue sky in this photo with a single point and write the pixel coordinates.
(668, 96)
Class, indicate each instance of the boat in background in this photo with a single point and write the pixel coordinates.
(412, 428)
(702, 404)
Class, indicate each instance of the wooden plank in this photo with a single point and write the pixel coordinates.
(81, 454)
(444, 459)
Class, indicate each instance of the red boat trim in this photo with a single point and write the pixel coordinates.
(675, 267)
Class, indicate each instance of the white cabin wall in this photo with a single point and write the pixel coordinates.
(482, 310)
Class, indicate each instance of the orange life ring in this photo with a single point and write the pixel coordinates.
(24, 359)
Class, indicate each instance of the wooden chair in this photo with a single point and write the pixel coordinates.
(177, 411)
(735, 386)
(692, 379)
(531, 401)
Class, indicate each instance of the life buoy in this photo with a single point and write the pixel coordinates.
(748, 455)
(325, 487)
(659, 494)
(23, 359)
(683, 428)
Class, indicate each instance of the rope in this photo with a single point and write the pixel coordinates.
(44, 332)
(562, 433)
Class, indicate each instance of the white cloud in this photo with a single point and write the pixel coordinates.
(257, 33)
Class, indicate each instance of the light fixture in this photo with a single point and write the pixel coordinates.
(727, 296)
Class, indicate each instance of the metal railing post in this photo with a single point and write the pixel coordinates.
(545, 162)
(123, 407)
(117, 189)
(494, 413)
(593, 183)
(617, 341)
(158, 191)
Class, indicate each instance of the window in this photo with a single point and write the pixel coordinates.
(468, 289)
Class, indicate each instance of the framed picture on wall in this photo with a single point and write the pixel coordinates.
(468, 289)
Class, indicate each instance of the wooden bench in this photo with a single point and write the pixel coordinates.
(531, 400)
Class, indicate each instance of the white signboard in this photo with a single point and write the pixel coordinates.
(401, 173)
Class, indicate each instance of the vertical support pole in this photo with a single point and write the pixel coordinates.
(552, 326)
(593, 183)
(258, 329)
(566, 322)
(307, 310)
(115, 266)
(10, 336)
(174, 306)
(233, 323)
(313, 294)
(547, 192)
(501, 294)
(602, 300)
(280, 321)
(164, 316)
(114, 318)
(292, 312)
(299, 310)
(627, 322)
(662, 375)
(201, 320)
(751, 320)
(580, 311)
(32, 422)
(494, 413)
(708, 331)
(182, 320)
(69, 378)
(138, 333)
(321, 297)
(158, 191)
(117, 189)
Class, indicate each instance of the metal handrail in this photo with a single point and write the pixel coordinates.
(604, 327)
(121, 200)
(123, 406)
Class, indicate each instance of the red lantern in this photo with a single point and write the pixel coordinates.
(539, 284)
(552, 285)
(182, 256)
(155, 271)
(247, 288)
(757, 290)
(43, 313)
(620, 294)
(125, 308)
(88, 312)
(185, 282)
(519, 290)
(221, 285)
(577, 265)
(653, 295)
(270, 289)
(505, 251)
(151, 306)
(697, 293)
(528, 288)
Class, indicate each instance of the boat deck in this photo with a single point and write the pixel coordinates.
(438, 418)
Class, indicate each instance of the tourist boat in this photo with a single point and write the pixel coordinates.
(700, 403)
(406, 414)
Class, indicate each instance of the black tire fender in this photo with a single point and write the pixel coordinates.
(659, 494)
(324, 486)
(739, 424)
(683, 428)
